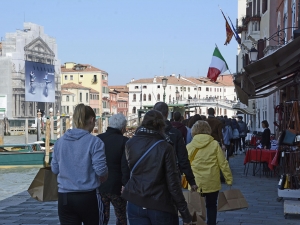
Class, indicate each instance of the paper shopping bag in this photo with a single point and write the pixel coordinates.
(197, 220)
(231, 200)
(196, 203)
(44, 186)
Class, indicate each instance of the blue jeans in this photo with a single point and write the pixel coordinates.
(140, 216)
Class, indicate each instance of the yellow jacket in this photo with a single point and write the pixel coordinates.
(207, 163)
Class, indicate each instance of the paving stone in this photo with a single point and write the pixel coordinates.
(261, 194)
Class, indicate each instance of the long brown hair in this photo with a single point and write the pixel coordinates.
(82, 114)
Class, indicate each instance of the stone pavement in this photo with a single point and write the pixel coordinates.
(261, 194)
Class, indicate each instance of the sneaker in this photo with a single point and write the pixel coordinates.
(243, 150)
(235, 153)
(240, 152)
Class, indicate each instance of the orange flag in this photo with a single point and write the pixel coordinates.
(229, 32)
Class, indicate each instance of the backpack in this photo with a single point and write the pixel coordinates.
(235, 133)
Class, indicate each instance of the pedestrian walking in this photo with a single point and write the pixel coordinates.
(235, 135)
(153, 191)
(177, 141)
(227, 136)
(216, 127)
(207, 161)
(179, 125)
(119, 174)
(243, 133)
(79, 161)
(192, 121)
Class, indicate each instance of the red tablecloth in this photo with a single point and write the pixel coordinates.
(262, 155)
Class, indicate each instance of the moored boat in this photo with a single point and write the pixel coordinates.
(22, 155)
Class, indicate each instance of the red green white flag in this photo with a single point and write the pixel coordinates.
(217, 66)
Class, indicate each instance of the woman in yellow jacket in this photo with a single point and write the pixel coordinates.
(207, 159)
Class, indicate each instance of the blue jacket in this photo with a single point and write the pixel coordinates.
(78, 160)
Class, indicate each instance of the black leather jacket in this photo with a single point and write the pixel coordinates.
(181, 152)
(154, 183)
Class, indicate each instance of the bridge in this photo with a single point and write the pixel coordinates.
(210, 102)
(187, 104)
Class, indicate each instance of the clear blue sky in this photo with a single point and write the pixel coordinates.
(131, 38)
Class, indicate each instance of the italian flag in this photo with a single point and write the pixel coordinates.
(217, 66)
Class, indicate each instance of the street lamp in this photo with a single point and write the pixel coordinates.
(177, 95)
(253, 54)
(164, 84)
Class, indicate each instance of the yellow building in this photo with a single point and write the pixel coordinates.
(87, 76)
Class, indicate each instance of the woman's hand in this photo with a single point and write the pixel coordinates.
(194, 187)
(122, 189)
(103, 178)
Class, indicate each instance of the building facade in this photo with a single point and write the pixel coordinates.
(87, 76)
(200, 92)
(105, 95)
(122, 98)
(94, 101)
(31, 45)
(271, 79)
(78, 94)
(113, 101)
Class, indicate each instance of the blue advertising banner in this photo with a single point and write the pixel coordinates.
(39, 82)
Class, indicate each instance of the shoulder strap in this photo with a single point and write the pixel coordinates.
(194, 154)
(143, 156)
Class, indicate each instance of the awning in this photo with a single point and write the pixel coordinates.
(270, 73)
(244, 108)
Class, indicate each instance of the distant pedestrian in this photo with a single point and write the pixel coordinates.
(153, 191)
(227, 136)
(265, 138)
(192, 121)
(119, 173)
(216, 127)
(235, 135)
(179, 146)
(179, 125)
(207, 161)
(79, 161)
(243, 133)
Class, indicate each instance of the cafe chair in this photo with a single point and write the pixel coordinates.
(256, 164)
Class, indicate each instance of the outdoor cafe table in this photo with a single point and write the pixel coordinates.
(262, 155)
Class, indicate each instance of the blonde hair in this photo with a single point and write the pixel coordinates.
(82, 114)
(201, 127)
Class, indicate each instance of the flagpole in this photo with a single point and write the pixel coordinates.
(227, 65)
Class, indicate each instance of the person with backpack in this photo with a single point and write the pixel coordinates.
(235, 135)
(227, 136)
(243, 133)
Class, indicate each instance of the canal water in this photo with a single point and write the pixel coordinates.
(16, 179)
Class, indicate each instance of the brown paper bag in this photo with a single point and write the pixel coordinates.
(231, 200)
(197, 220)
(44, 186)
(196, 203)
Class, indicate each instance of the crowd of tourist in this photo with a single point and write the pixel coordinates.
(141, 176)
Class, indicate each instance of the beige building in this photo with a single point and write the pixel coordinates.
(67, 102)
(87, 76)
(94, 101)
(73, 94)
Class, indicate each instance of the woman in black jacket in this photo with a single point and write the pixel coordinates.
(265, 138)
(153, 192)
